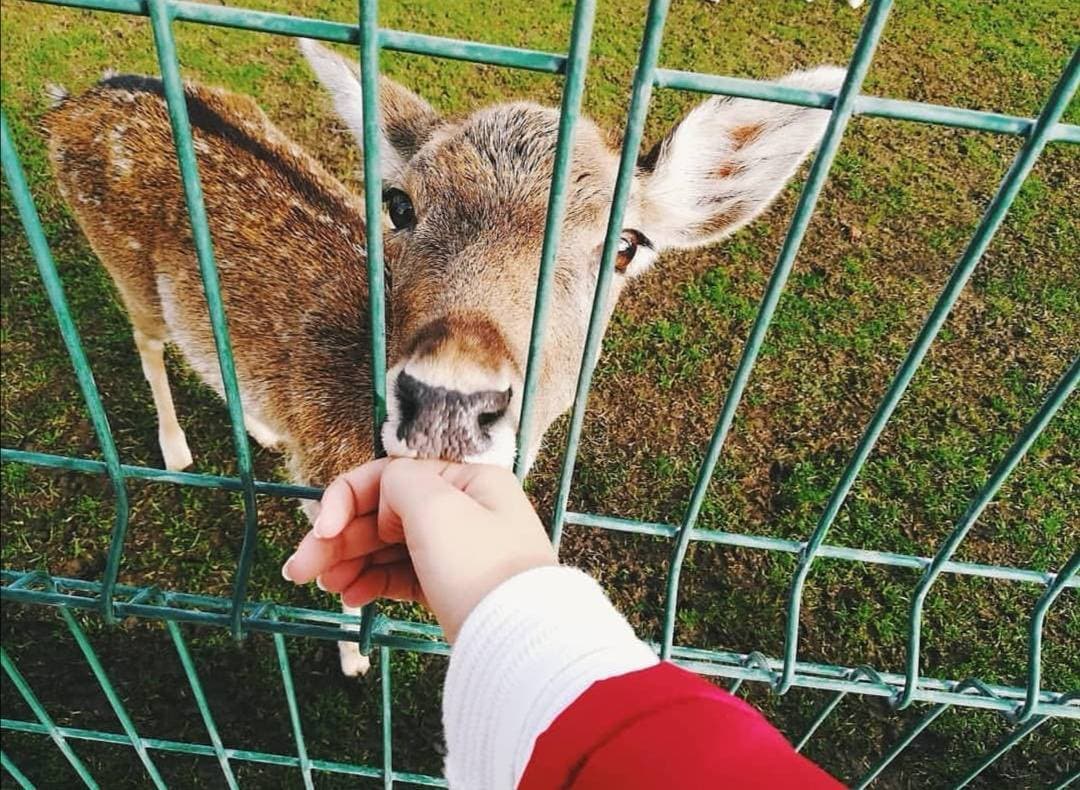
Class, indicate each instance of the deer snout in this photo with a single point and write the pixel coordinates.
(437, 422)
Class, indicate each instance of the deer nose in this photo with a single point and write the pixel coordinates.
(442, 423)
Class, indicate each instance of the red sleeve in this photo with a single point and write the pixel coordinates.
(665, 727)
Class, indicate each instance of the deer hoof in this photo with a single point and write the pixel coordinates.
(354, 664)
(174, 448)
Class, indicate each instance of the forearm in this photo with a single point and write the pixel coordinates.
(525, 653)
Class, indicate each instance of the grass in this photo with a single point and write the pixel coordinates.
(898, 208)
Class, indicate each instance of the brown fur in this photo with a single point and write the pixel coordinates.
(289, 245)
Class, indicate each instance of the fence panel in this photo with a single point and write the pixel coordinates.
(1028, 707)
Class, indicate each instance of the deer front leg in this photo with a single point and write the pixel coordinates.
(174, 446)
(353, 662)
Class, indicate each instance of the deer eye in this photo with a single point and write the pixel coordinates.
(400, 208)
(628, 247)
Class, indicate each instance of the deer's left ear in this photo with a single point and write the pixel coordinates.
(726, 161)
(406, 121)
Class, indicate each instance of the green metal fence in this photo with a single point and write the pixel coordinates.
(1026, 708)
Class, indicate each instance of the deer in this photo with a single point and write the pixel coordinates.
(465, 205)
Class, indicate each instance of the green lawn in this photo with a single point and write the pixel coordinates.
(898, 208)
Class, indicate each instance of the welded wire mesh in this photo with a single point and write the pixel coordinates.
(1026, 707)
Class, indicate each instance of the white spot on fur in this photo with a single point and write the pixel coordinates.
(118, 153)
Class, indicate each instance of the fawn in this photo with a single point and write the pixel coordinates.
(465, 207)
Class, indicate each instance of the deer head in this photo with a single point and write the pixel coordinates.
(466, 201)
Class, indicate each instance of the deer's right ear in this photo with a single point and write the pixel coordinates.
(407, 120)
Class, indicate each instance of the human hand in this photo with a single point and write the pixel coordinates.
(440, 533)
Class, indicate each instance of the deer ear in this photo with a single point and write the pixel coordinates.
(407, 120)
(726, 161)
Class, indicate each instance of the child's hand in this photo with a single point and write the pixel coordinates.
(465, 530)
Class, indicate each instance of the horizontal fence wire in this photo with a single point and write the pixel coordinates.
(1028, 707)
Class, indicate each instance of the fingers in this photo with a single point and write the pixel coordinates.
(338, 577)
(396, 581)
(352, 494)
(315, 555)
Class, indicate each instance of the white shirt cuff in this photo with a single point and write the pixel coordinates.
(530, 648)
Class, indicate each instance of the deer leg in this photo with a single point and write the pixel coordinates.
(261, 432)
(353, 662)
(174, 446)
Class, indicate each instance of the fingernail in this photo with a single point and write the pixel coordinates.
(317, 527)
(319, 584)
(285, 569)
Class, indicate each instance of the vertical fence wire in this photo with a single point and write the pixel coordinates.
(54, 289)
(16, 774)
(1008, 743)
(1035, 635)
(294, 707)
(573, 87)
(819, 171)
(45, 719)
(905, 740)
(92, 661)
(387, 721)
(831, 705)
(1026, 438)
(988, 226)
(176, 101)
(201, 701)
(369, 90)
(635, 124)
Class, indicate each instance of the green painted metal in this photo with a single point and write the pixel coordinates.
(282, 24)
(1013, 456)
(369, 86)
(203, 750)
(580, 39)
(16, 774)
(1029, 706)
(827, 710)
(294, 708)
(50, 278)
(107, 688)
(988, 226)
(40, 589)
(635, 124)
(165, 44)
(867, 556)
(1070, 780)
(200, 700)
(830, 143)
(1035, 635)
(871, 106)
(1010, 741)
(903, 743)
(45, 722)
(387, 720)
(154, 475)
